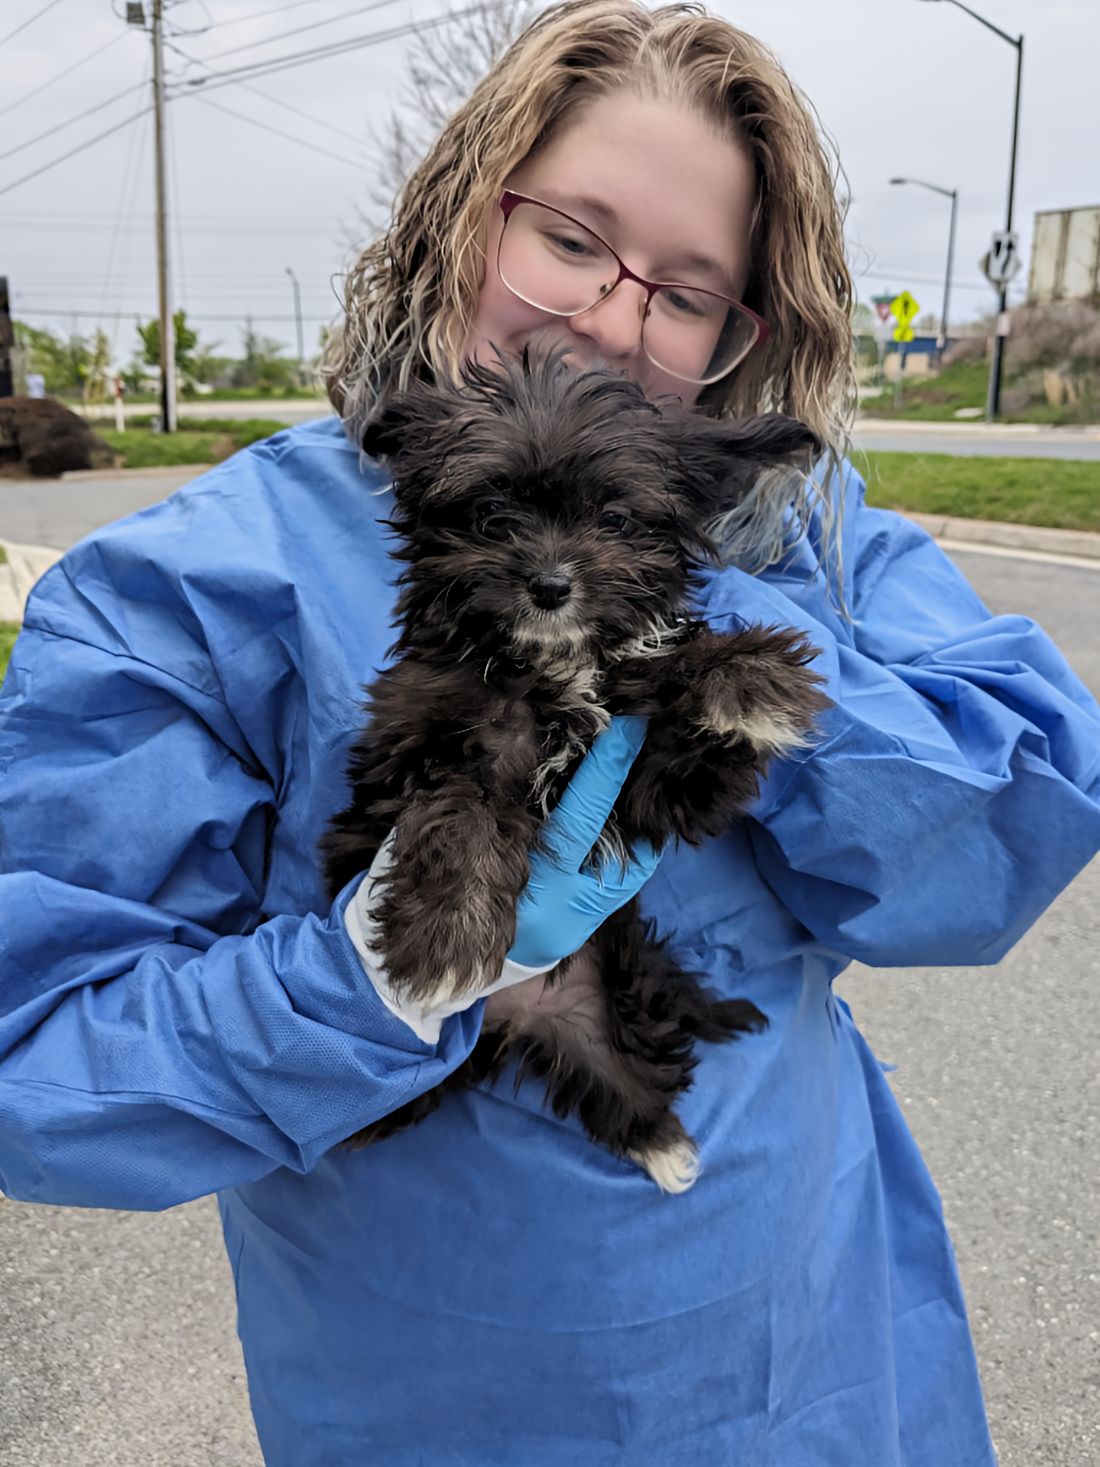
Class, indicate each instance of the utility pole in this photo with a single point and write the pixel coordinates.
(167, 334)
(298, 323)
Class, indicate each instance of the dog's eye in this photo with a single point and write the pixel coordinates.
(489, 516)
(611, 519)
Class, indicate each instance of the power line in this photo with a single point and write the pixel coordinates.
(279, 102)
(26, 97)
(220, 25)
(336, 48)
(59, 126)
(278, 131)
(302, 29)
(37, 16)
(29, 309)
(80, 148)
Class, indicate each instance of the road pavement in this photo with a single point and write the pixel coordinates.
(118, 1346)
(1001, 440)
(278, 409)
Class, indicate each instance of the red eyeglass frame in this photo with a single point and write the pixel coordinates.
(509, 200)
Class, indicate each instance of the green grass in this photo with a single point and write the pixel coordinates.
(964, 385)
(3, 556)
(1063, 493)
(199, 441)
(9, 630)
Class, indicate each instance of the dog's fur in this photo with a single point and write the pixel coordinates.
(553, 524)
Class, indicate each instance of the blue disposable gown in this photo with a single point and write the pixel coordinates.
(184, 1014)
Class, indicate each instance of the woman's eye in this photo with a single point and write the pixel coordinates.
(684, 305)
(567, 246)
(612, 520)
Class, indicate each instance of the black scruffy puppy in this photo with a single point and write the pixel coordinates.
(552, 522)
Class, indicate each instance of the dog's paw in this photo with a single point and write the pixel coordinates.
(763, 691)
(673, 1165)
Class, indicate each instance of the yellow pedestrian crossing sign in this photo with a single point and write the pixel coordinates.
(903, 308)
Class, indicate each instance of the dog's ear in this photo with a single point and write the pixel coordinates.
(384, 434)
(722, 458)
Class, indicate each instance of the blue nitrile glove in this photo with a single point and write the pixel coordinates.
(562, 905)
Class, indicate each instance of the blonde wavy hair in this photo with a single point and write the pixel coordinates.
(411, 295)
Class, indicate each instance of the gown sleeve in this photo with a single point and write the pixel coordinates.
(159, 1039)
(955, 787)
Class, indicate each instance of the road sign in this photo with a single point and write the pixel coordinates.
(1002, 260)
(903, 308)
(903, 333)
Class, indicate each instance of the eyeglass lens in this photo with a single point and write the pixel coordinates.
(559, 266)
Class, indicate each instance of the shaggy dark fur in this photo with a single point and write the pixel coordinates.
(552, 523)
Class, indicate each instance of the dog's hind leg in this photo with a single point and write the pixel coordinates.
(613, 1036)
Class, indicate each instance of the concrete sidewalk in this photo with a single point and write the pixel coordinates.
(25, 563)
(22, 567)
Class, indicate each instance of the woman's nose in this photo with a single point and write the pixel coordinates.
(614, 324)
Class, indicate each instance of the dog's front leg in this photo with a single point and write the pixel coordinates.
(447, 910)
(721, 706)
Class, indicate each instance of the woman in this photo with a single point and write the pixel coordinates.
(184, 1013)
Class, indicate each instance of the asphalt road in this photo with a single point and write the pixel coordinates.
(279, 409)
(117, 1345)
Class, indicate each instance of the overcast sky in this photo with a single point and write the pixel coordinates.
(904, 88)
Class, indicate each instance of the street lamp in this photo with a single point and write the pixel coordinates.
(298, 324)
(993, 402)
(953, 195)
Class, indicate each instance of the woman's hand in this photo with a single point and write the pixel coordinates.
(564, 902)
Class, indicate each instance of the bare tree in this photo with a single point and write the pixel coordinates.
(442, 68)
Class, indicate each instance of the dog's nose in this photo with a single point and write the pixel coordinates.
(550, 589)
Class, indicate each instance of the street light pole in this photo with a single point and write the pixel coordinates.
(993, 401)
(298, 324)
(953, 195)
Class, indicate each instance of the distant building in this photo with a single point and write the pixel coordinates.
(1065, 256)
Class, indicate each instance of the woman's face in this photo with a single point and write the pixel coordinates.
(672, 198)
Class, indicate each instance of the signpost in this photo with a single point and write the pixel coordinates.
(904, 308)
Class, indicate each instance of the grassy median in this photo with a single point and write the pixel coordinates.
(1063, 493)
(198, 441)
(8, 633)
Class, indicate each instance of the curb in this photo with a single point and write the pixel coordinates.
(178, 473)
(26, 563)
(1079, 544)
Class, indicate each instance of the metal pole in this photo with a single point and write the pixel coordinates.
(7, 340)
(167, 334)
(993, 405)
(950, 264)
(298, 323)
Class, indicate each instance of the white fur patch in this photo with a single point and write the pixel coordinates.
(658, 640)
(768, 732)
(674, 1169)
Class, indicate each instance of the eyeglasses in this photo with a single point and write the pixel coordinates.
(557, 264)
